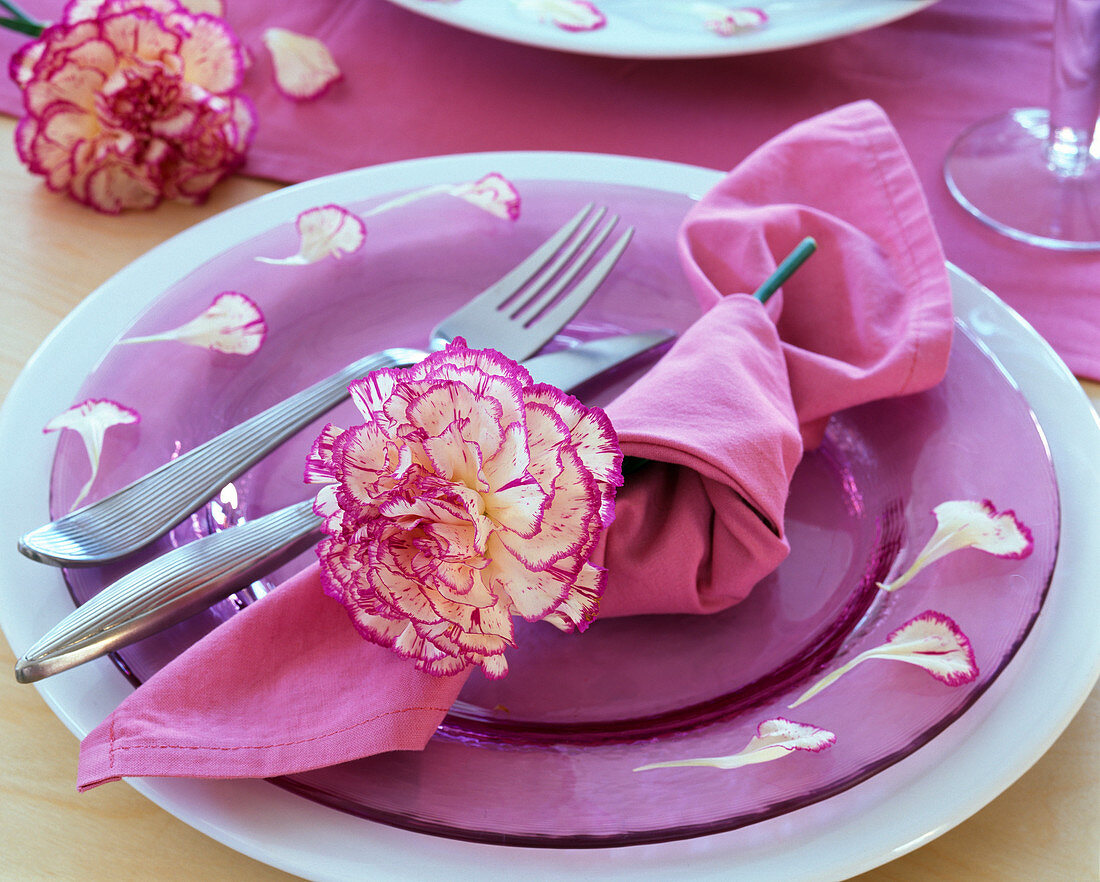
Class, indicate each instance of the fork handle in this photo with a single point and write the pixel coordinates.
(172, 587)
(148, 508)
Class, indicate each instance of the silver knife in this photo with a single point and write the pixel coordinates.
(190, 578)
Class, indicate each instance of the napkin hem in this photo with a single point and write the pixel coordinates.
(900, 185)
(102, 751)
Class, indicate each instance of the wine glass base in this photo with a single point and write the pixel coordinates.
(1000, 171)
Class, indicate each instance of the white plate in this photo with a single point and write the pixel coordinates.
(905, 806)
(670, 28)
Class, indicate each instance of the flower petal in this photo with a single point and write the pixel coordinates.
(232, 324)
(969, 523)
(774, 739)
(91, 419)
(212, 56)
(930, 640)
(569, 15)
(493, 193)
(727, 21)
(325, 231)
(304, 67)
(581, 603)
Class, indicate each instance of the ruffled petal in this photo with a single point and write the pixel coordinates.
(463, 500)
(304, 66)
(325, 231)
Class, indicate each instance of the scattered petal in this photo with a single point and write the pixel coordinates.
(232, 324)
(969, 523)
(930, 640)
(470, 495)
(494, 193)
(326, 231)
(569, 15)
(128, 103)
(91, 419)
(304, 67)
(774, 739)
(728, 21)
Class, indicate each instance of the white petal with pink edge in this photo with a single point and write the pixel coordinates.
(728, 21)
(931, 640)
(969, 523)
(304, 66)
(232, 324)
(774, 739)
(569, 15)
(325, 231)
(91, 419)
(493, 193)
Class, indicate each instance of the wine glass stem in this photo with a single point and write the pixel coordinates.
(1075, 98)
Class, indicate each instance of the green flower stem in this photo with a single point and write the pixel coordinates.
(784, 271)
(20, 22)
(30, 28)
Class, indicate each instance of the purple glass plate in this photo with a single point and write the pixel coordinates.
(546, 756)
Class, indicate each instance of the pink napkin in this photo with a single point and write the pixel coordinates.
(288, 685)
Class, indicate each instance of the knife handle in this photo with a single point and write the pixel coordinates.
(170, 588)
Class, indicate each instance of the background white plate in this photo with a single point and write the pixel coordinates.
(669, 28)
(898, 810)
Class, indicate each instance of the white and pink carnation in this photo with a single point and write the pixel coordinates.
(469, 495)
(128, 102)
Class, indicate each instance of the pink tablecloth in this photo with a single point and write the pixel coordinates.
(414, 87)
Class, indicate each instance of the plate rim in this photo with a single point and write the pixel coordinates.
(222, 809)
(603, 42)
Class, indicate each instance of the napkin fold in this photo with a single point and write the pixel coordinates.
(287, 685)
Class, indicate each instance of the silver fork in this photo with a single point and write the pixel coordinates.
(517, 315)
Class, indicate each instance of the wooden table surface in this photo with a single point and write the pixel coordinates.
(54, 252)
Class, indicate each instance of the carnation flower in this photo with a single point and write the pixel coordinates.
(128, 102)
(470, 495)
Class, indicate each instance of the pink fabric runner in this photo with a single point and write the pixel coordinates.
(288, 684)
(414, 87)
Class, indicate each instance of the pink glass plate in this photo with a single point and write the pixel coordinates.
(546, 756)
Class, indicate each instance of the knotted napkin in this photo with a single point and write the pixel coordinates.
(288, 684)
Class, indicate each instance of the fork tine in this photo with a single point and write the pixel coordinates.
(555, 316)
(541, 297)
(512, 282)
(536, 287)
